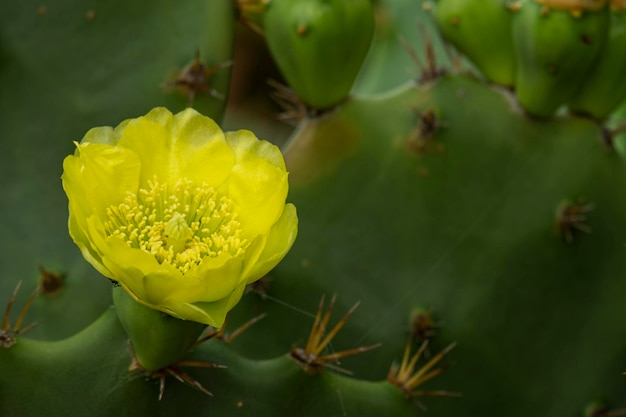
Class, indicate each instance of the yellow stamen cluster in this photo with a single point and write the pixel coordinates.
(179, 223)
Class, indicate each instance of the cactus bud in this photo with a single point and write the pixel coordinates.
(482, 31)
(557, 43)
(319, 45)
(605, 88)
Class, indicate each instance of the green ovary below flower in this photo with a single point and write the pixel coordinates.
(182, 215)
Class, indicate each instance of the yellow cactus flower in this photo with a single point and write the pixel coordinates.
(182, 215)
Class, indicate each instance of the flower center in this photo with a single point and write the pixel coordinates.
(179, 224)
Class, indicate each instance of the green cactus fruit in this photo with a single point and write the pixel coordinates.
(555, 51)
(605, 88)
(319, 45)
(482, 31)
(158, 340)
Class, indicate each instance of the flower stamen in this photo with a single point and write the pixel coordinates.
(179, 224)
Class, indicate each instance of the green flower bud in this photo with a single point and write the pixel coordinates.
(605, 88)
(482, 31)
(556, 48)
(319, 45)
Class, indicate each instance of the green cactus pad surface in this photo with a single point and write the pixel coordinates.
(441, 197)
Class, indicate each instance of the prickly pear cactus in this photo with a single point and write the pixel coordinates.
(454, 251)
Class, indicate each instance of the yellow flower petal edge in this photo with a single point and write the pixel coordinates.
(182, 215)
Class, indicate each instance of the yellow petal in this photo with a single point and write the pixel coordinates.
(201, 148)
(202, 285)
(82, 239)
(280, 239)
(159, 115)
(150, 140)
(246, 144)
(99, 176)
(103, 135)
(94, 178)
(258, 181)
(187, 145)
(211, 313)
(132, 265)
(75, 188)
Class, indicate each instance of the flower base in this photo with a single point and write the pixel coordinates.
(158, 339)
